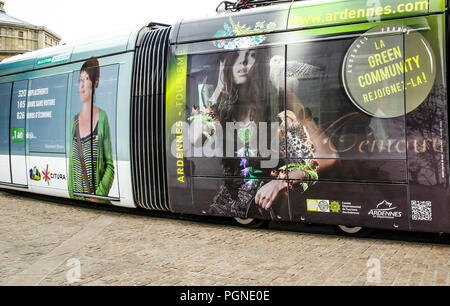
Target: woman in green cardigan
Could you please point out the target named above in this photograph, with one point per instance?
(91, 163)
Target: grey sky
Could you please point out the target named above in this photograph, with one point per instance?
(78, 19)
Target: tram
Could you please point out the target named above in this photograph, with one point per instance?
(325, 112)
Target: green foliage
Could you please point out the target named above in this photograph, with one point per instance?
(309, 169)
(208, 121)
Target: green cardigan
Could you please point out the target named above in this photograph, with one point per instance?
(105, 161)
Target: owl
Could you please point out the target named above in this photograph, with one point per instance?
(295, 71)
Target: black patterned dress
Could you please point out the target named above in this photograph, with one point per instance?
(235, 198)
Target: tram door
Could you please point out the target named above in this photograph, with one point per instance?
(5, 107)
(93, 158)
(17, 133)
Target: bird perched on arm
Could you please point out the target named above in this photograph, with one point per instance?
(298, 141)
(295, 71)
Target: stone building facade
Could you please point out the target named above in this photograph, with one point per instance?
(17, 36)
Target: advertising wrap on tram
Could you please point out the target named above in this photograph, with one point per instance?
(343, 124)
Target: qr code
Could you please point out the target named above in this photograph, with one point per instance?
(421, 210)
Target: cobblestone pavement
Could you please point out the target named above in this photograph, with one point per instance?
(39, 240)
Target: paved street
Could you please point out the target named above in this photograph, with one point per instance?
(47, 243)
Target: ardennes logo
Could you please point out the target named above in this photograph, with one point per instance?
(385, 210)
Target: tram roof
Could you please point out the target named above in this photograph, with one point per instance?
(74, 52)
(299, 15)
(277, 18)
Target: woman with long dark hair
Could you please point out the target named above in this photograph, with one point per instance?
(242, 97)
(243, 91)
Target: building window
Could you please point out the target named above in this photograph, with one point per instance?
(21, 39)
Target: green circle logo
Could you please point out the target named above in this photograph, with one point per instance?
(389, 71)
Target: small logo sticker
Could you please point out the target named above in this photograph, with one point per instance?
(318, 205)
(385, 210)
(324, 206)
(312, 205)
(335, 207)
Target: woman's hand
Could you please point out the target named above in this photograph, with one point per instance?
(268, 193)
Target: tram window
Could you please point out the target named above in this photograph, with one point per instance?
(94, 89)
(18, 117)
(237, 86)
(322, 103)
(5, 100)
(46, 114)
(105, 97)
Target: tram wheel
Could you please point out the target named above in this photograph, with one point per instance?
(250, 222)
(355, 231)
